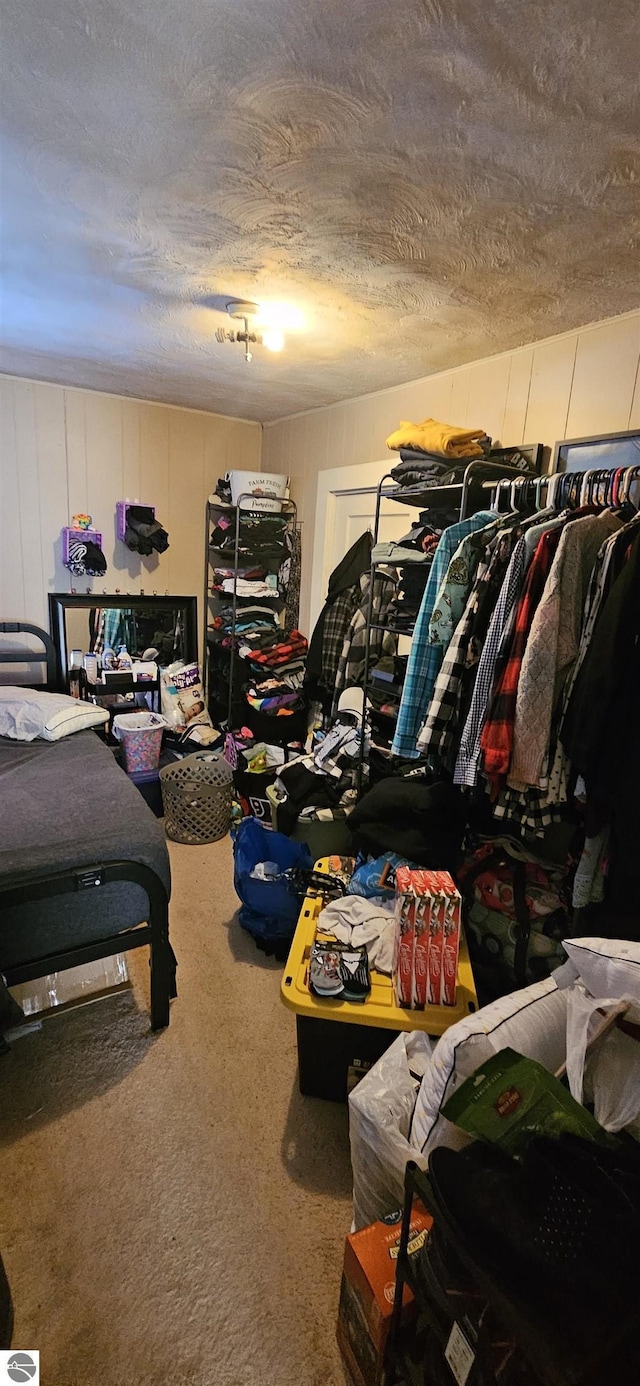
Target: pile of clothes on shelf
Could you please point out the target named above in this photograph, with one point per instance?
(258, 534)
(434, 454)
(262, 623)
(253, 581)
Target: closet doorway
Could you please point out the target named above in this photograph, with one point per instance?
(345, 509)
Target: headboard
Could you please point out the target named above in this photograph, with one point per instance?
(12, 654)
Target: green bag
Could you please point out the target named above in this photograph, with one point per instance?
(510, 1100)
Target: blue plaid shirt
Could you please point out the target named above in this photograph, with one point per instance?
(425, 659)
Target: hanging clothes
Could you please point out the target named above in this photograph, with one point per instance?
(609, 563)
(600, 730)
(468, 760)
(454, 686)
(350, 671)
(344, 595)
(497, 734)
(425, 658)
(289, 576)
(115, 628)
(553, 643)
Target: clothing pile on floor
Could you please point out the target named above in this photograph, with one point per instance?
(322, 784)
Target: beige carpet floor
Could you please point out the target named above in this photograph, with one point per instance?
(172, 1211)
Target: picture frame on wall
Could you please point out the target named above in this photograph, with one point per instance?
(604, 451)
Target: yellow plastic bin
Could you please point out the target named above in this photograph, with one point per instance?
(339, 1040)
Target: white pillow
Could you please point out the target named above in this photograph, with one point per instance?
(25, 714)
(608, 966)
(532, 1021)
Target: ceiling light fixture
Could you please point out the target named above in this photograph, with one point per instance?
(249, 314)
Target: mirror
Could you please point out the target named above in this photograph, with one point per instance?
(87, 623)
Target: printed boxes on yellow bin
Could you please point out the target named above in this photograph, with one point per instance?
(367, 1291)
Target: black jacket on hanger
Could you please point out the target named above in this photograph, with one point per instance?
(601, 731)
(343, 598)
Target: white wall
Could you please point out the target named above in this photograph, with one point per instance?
(65, 450)
(580, 383)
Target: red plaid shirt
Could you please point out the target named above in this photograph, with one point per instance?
(497, 734)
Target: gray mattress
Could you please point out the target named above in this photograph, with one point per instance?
(67, 804)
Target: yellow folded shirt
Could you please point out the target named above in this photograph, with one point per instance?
(432, 436)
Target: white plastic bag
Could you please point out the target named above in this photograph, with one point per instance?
(183, 698)
(609, 1076)
(380, 1111)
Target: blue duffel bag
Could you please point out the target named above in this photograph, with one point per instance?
(270, 908)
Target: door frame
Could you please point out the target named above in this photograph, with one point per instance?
(359, 479)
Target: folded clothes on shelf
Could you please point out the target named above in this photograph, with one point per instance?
(292, 645)
(446, 440)
(258, 533)
(245, 587)
(288, 679)
(396, 554)
(251, 572)
(419, 474)
(274, 703)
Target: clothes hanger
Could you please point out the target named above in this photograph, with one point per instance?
(632, 474)
(553, 481)
(539, 483)
(615, 485)
(585, 486)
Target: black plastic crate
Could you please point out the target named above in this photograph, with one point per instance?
(333, 1055)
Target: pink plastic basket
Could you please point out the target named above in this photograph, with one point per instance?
(141, 736)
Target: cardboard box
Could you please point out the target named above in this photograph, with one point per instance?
(405, 938)
(421, 952)
(368, 1289)
(451, 947)
(428, 912)
(436, 944)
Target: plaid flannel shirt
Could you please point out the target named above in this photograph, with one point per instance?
(425, 659)
(336, 623)
(496, 739)
(350, 669)
(438, 737)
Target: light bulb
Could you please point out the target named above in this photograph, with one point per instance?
(273, 340)
(284, 317)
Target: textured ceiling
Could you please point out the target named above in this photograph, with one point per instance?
(430, 181)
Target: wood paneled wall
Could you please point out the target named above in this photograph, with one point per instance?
(580, 383)
(65, 450)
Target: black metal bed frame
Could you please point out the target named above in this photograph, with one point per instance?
(155, 932)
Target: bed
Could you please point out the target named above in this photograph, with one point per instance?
(84, 867)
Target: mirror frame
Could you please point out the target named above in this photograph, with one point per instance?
(61, 602)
